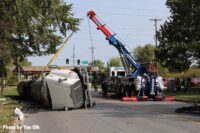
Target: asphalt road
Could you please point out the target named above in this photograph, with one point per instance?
(114, 116)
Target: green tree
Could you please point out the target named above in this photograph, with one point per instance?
(115, 62)
(5, 54)
(25, 62)
(179, 36)
(4, 59)
(97, 63)
(35, 27)
(11, 77)
(145, 54)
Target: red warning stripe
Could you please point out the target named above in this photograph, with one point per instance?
(129, 99)
(169, 98)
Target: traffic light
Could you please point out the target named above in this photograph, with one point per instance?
(78, 62)
(67, 61)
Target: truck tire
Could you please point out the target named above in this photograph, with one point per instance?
(122, 91)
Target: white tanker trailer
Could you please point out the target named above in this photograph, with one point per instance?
(59, 89)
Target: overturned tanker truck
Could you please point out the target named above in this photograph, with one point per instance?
(59, 89)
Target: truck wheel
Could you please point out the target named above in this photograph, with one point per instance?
(133, 91)
(127, 91)
(104, 93)
(122, 91)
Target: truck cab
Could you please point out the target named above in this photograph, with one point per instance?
(117, 72)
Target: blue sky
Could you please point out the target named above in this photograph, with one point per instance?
(129, 19)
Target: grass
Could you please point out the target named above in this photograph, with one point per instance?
(192, 73)
(192, 94)
(7, 107)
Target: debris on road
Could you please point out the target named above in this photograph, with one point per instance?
(190, 109)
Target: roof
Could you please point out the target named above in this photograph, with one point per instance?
(38, 69)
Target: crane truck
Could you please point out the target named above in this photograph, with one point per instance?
(141, 81)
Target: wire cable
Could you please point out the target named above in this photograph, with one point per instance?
(91, 40)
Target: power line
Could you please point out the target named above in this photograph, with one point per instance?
(127, 14)
(166, 10)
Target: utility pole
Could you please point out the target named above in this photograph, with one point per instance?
(73, 56)
(92, 52)
(156, 39)
(92, 46)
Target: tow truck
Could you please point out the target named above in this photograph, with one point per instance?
(141, 81)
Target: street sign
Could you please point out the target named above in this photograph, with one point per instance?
(85, 62)
(91, 77)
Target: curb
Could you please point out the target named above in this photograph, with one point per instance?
(186, 100)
